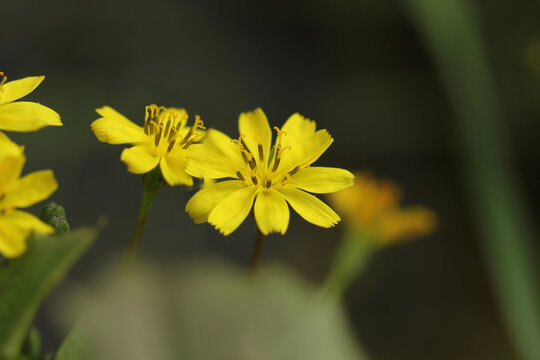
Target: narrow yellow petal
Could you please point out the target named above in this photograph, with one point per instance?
(15, 227)
(305, 152)
(139, 159)
(29, 190)
(409, 223)
(27, 116)
(322, 180)
(203, 161)
(229, 213)
(271, 212)
(205, 200)
(13, 90)
(309, 207)
(11, 162)
(114, 128)
(296, 129)
(254, 129)
(173, 168)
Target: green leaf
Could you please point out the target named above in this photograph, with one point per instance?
(74, 345)
(208, 310)
(25, 281)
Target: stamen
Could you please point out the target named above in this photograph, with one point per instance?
(240, 176)
(294, 171)
(186, 145)
(277, 159)
(171, 145)
(4, 78)
(158, 134)
(268, 183)
(254, 179)
(199, 124)
(259, 147)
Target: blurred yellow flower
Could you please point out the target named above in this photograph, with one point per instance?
(164, 140)
(17, 192)
(23, 116)
(265, 175)
(372, 207)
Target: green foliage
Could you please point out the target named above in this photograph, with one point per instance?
(208, 311)
(25, 281)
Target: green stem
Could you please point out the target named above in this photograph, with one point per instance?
(350, 259)
(152, 184)
(256, 254)
(453, 34)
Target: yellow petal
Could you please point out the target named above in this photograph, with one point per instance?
(297, 128)
(139, 159)
(305, 152)
(205, 200)
(115, 128)
(27, 116)
(11, 162)
(254, 128)
(309, 207)
(203, 161)
(231, 211)
(13, 90)
(173, 168)
(407, 224)
(29, 190)
(220, 143)
(322, 180)
(12, 239)
(15, 227)
(271, 212)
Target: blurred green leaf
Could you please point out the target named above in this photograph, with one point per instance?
(451, 30)
(74, 345)
(211, 311)
(25, 281)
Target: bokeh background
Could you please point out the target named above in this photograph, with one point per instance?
(359, 68)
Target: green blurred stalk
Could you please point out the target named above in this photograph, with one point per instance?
(451, 31)
(350, 259)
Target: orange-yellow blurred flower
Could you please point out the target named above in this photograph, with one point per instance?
(23, 116)
(372, 207)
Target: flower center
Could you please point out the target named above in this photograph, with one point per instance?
(260, 172)
(167, 126)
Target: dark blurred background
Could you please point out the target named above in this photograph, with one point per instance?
(359, 68)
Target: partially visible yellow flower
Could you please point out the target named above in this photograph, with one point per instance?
(164, 140)
(17, 192)
(268, 177)
(23, 116)
(372, 207)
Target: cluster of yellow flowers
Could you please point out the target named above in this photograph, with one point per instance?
(16, 191)
(251, 171)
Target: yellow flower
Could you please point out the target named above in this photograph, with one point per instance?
(268, 176)
(164, 140)
(23, 115)
(16, 192)
(372, 208)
